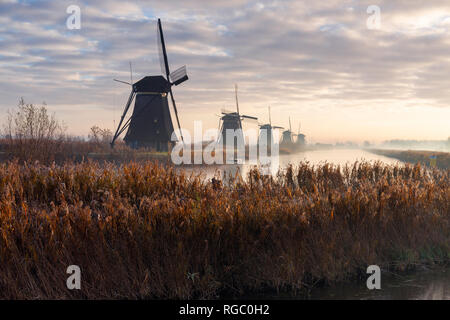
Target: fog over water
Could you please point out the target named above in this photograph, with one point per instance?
(334, 156)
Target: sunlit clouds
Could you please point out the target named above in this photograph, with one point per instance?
(316, 62)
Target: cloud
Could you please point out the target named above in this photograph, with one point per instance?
(301, 57)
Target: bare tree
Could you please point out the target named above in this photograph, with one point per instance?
(100, 136)
(32, 133)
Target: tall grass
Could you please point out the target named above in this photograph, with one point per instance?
(72, 149)
(141, 230)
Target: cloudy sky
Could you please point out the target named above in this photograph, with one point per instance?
(315, 61)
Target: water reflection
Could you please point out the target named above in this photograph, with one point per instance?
(425, 285)
(335, 156)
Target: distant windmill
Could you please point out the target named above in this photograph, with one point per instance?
(286, 140)
(150, 125)
(266, 139)
(300, 142)
(232, 121)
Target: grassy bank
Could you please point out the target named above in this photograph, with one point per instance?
(142, 231)
(413, 156)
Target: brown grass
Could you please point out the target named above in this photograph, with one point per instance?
(73, 150)
(144, 231)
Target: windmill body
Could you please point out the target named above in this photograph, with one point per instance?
(301, 139)
(232, 121)
(287, 138)
(150, 124)
(266, 134)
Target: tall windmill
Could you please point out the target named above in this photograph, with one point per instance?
(231, 120)
(150, 124)
(266, 138)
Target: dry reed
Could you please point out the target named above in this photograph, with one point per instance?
(144, 231)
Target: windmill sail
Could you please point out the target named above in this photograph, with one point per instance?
(179, 76)
(163, 61)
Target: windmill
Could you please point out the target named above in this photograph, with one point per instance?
(300, 142)
(231, 120)
(266, 139)
(150, 124)
(286, 139)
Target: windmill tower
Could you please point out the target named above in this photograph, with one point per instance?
(150, 124)
(266, 134)
(286, 140)
(300, 142)
(232, 121)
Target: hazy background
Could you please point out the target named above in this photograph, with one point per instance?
(315, 61)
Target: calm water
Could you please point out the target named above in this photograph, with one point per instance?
(423, 285)
(338, 157)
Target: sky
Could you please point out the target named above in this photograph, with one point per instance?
(329, 65)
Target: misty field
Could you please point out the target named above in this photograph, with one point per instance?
(416, 156)
(143, 231)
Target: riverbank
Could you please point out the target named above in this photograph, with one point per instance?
(442, 159)
(144, 231)
(422, 284)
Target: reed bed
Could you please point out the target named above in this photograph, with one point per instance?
(144, 231)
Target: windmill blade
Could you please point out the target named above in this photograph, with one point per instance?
(270, 118)
(236, 94)
(162, 52)
(179, 76)
(176, 114)
(123, 82)
(131, 74)
(118, 131)
(249, 117)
